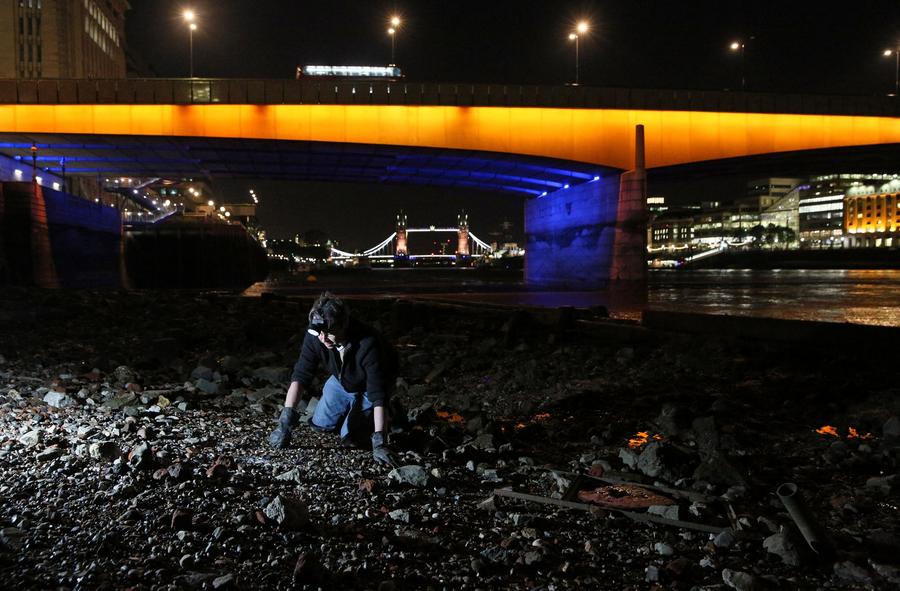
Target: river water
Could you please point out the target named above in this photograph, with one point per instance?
(857, 296)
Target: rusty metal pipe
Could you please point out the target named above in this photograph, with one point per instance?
(809, 528)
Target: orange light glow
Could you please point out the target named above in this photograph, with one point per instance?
(541, 417)
(451, 417)
(599, 136)
(828, 430)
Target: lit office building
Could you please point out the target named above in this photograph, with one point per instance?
(62, 38)
(821, 205)
(872, 221)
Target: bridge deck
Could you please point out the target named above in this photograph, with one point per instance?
(273, 92)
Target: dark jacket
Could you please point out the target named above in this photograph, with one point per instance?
(367, 365)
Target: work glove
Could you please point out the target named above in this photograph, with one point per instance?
(281, 436)
(382, 453)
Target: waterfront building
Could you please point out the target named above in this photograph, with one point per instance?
(62, 39)
(872, 220)
(671, 230)
(822, 205)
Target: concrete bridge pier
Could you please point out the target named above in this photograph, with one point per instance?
(593, 235)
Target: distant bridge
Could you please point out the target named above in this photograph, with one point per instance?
(395, 245)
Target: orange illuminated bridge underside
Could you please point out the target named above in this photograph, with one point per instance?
(598, 136)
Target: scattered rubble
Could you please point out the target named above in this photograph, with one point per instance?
(534, 454)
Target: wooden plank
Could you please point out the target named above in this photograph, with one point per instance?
(634, 516)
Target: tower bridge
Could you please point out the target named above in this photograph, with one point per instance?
(396, 246)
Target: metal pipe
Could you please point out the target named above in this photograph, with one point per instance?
(809, 528)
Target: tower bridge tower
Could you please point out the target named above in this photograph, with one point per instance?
(402, 248)
(462, 249)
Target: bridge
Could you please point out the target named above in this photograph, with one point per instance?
(565, 148)
(396, 246)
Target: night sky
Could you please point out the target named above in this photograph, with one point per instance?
(791, 46)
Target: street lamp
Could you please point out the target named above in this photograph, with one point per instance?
(392, 32)
(739, 46)
(580, 29)
(189, 17)
(896, 53)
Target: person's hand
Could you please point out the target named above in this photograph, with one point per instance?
(280, 438)
(382, 452)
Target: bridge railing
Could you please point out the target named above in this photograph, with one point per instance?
(185, 91)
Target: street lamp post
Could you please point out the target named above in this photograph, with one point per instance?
(580, 29)
(739, 46)
(392, 32)
(896, 53)
(192, 26)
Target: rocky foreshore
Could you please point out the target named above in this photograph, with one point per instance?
(538, 452)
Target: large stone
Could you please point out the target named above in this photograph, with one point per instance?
(293, 475)
(104, 450)
(891, 429)
(851, 572)
(207, 386)
(290, 513)
(783, 545)
(201, 372)
(410, 474)
(124, 374)
(58, 399)
(739, 580)
(31, 438)
(119, 401)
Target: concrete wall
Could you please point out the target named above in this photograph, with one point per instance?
(570, 234)
(50, 239)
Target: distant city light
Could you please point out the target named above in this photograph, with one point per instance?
(367, 71)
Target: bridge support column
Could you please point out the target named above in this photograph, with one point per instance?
(630, 246)
(592, 235)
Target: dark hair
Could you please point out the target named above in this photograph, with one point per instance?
(329, 313)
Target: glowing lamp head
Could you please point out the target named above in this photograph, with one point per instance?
(582, 28)
(395, 21)
(392, 31)
(572, 36)
(193, 26)
(189, 15)
(735, 46)
(888, 52)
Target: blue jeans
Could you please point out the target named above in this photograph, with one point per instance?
(353, 412)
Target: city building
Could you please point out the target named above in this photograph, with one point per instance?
(872, 221)
(822, 204)
(671, 230)
(62, 38)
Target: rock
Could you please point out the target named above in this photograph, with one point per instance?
(293, 475)
(886, 571)
(562, 482)
(231, 365)
(891, 429)
(849, 571)
(739, 580)
(651, 574)
(410, 474)
(12, 537)
(31, 438)
(290, 513)
(48, 454)
(223, 582)
(182, 519)
(307, 570)
(125, 374)
(119, 401)
(782, 544)
(58, 400)
(665, 511)
(207, 386)
(401, 515)
(140, 457)
(629, 457)
(884, 485)
(273, 375)
(483, 442)
(663, 549)
(104, 450)
(201, 372)
(724, 539)
(489, 504)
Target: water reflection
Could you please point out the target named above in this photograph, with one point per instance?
(858, 296)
